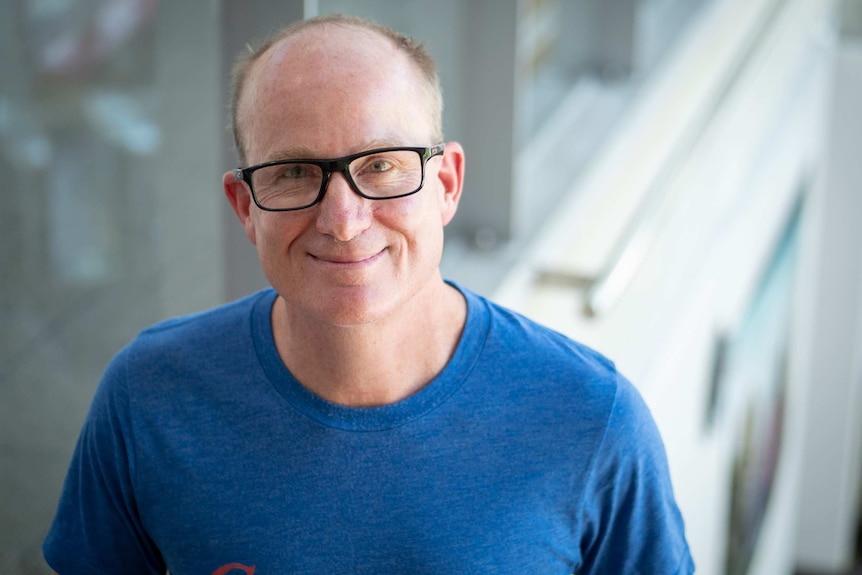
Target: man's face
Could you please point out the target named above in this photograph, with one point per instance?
(327, 93)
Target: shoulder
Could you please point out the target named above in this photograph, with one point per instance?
(180, 352)
(207, 322)
(207, 333)
(532, 369)
(545, 353)
(509, 326)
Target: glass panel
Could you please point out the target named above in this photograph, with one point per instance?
(565, 43)
(580, 65)
(660, 23)
(78, 136)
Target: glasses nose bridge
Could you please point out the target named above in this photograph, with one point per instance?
(339, 166)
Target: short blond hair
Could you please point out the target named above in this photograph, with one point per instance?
(414, 50)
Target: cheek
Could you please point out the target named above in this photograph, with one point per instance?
(276, 232)
(417, 228)
(408, 217)
(422, 208)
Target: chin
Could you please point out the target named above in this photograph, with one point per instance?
(349, 307)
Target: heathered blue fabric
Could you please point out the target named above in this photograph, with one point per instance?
(528, 454)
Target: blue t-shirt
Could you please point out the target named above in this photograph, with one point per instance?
(203, 455)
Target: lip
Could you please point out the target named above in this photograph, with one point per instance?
(346, 261)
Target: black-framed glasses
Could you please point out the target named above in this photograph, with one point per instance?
(379, 174)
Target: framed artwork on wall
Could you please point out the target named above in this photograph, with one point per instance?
(749, 396)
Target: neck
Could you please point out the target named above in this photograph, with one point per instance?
(377, 363)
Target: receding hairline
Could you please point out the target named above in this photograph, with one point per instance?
(414, 51)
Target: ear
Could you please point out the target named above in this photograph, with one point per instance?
(239, 196)
(451, 176)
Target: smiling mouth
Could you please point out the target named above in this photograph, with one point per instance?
(346, 261)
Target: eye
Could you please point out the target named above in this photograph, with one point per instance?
(295, 171)
(379, 165)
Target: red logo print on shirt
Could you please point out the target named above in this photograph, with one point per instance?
(225, 569)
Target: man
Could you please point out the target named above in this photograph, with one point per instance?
(364, 416)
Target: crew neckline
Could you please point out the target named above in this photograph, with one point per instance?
(380, 418)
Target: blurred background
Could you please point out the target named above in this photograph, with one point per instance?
(674, 182)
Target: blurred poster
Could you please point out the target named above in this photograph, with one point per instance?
(751, 390)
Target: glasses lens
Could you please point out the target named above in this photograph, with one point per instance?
(387, 174)
(286, 186)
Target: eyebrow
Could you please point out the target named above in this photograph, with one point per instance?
(289, 154)
(305, 153)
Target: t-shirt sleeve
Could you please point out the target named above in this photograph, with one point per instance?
(97, 528)
(632, 523)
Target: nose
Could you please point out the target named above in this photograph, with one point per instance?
(342, 213)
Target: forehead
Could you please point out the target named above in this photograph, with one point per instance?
(335, 48)
(331, 87)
